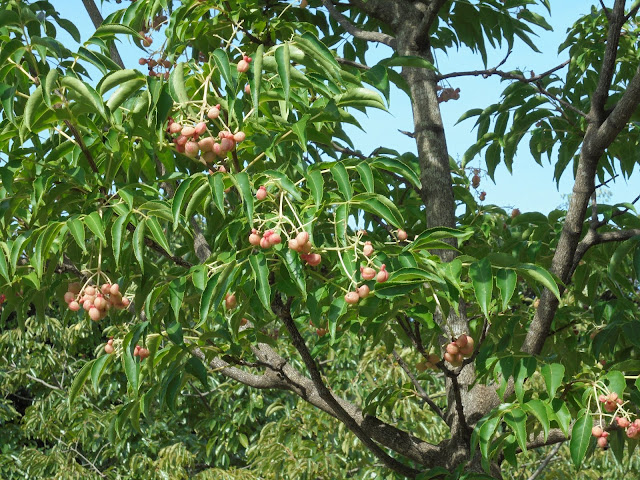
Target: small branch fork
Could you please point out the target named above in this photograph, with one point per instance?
(419, 390)
(351, 29)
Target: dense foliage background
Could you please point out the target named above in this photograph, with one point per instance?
(97, 188)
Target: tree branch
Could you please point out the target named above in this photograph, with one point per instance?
(283, 312)
(419, 390)
(351, 29)
(545, 462)
(96, 18)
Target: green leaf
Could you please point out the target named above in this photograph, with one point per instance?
(109, 29)
(49, 84)
(506, 280)
(158, 233)
(553, 374)
(580, 438)
(482, 280)
(517, 420)
(216, 185)
(213, 292)
(283, 60)
(118, 77)
(123, 92)
(241, 181)
(285, 183)
(408, 61)
(33, 105)
(43, 246)
(138, 243)
(94, 222)
(98, 368)
(131, 365)
(80, 380)
(360, 97)
(539, 275)
(85, 92)
(620, 253)
(341, 177)
(399, 167)
(178, 198)
(116, 235)
(636, 262)
(292, 261)
(261, 274)
(195, 367)
(300, 129)
(366, 176)
(255, 80)
(315, 182)
(177, 89)
(196, 199)
(539, 410)
(174, 332)
(176, 294)
(77, 231)
(222, 62)
(4, 270)
(379, 205)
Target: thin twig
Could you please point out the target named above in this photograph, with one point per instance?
(419, 390)
(545, 462)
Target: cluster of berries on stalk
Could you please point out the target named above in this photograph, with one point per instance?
(155, 65)
(141, 352)
(96, 301)
(459, 349)
(612, 403)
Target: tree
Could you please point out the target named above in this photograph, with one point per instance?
(221, 229)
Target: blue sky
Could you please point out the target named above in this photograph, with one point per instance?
(530, 187)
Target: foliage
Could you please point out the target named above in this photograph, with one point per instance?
(98, 188)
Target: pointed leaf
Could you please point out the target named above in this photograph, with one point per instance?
(261, 274)
(580, 438)
(506, 280)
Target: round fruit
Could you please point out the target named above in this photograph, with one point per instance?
(243, 66)
(433, 358)
(321, 332)
(74, 306)
(467, 350)
(367, 273)
(596, 431)
(261, 194)
(90, 291)
(200, 128)
(602, 442)
(94, 314)
(74, 287)
(213, 113)
(264, 243)
(302, 238)
(351, 298)
(247, 89)
(449, 358)
(367, 250)
(108, 348)
(275, 239)
(453, 349)
(187, 131)
(461, 340)
(363, 291)
(226, 144)
(68, 297)
(254, 239)
(239, 137)
(383, 275)
(293, 244)
(314, 260)
(191, 149)
(402, 235)
(230, 301)
(623, 422)
(143, 353)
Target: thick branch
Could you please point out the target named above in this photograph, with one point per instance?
(357, 32)
(599, 97)
(593, 238)
(283, 311)
(279, 374)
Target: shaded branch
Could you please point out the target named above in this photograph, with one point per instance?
(545, 462)
(355, 31)
(283, 312)
(593, 238)
(85, 151)
(419, 390)
(157, 248)
(351, 63)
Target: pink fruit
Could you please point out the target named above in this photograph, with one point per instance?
(254, 239)
(239, 136)
(213, 113)
(125, 302)
(181, 140)
(90, 290)
(230, 301)
(383, 275)
(108, 348)
(402, 235)
(596, 431)
(367, 250)
(87, 305)
(68, 297)
(247, 89)
(243, 66)
(363, 291)
(209, 158)
(191, 149)
(188, 131)
(352, 298)
(467, 350)
(143, 353)
(200, 128)
(115, 289)
(74, 287)
(461, 341)
(622, 422)
(302, 238)
(293, 244)
(217, 150)
(313, 259)
(602, 442)
(106, 288)
(367, 273)
(261, 194)
(74, 306)
(206, 144)
(94, 314)
(275, 239)
(226, 144)
(264, 243)
(453, 349)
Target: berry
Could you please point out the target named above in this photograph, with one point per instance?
(293, 244)
(264, 243)
(243, 66)
(191, 149)
(302, 238)
(321, 332)
(602, 442)
(383, 275)
(213, 113)
(143, 353)
(433, 358)
(622, 422)
(94, 313)
(200, 128)
(367, 250)
(367, 273)
(515, 212)
(105, 289)
(180, 140)
(74, 287)
(90, 291)
(74, 306)
(313, 259)
(108, 348)
(206, 145)
(467, 350)
(482, 196)
(230, 301)
(239, 137)
(597, 431)
(243, 322)
(247, 89)
(226, 144)
(261, 194)
(351, 298)
(274, 239)
(402, 235)
(188, 131)
(254, 238)
(453, 349)
(363, 291)
(68, 297)
(475, 181)
(461, 341)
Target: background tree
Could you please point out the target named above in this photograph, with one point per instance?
(222, 231)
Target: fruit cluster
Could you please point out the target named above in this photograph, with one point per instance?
(187, 139)
(155, 64)
(601, 435)
(447, 94)
(610, 401)
(97, 302)
(141, 352)
(243, 65)
(458, 350)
